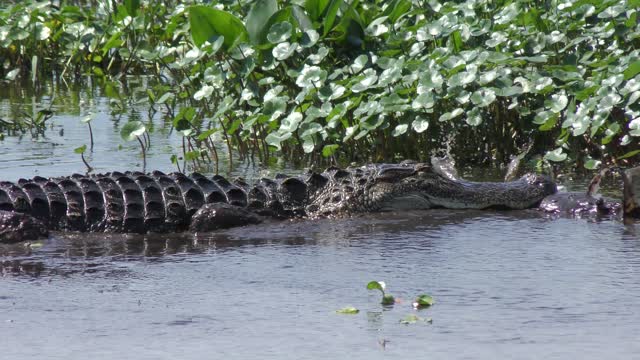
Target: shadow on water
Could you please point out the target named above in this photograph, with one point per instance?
(64, 254)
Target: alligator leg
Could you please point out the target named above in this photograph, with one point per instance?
(16, 227)
(221, 216)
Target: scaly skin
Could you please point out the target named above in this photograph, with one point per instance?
(155, 202)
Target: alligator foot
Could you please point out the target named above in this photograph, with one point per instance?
(16, 227)
(221, 216)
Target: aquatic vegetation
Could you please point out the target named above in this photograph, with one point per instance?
(135, 130)
(338, 80)
(413, 318)
(423, 301)
(387, 299)
(349, 310)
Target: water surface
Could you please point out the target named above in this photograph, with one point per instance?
(507, 285)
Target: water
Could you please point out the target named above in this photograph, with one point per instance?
(506, 284)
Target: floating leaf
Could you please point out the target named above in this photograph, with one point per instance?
(388, 300)
(412, 319)
(349, 310)
(423, 301)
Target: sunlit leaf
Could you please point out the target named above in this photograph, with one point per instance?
(131, 130)
(376, 285)
(80, 150)
(329, 150)
(556, 155)
(420, 125)
(279, 32)
(284, 50)
(400, 130)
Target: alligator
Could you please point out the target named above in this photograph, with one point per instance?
(136, 202)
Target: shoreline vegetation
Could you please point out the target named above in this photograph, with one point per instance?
(336, 81)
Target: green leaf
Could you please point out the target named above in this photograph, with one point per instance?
(397, 9)
(80, 150)
(274, 139)
(629, 154)
(284, 50)
(388, 300)
(207, 23)
(451, 115)
(315, 8)
(349, 310)
(420, 125)
(423, 300)
(330, 18)
(329, 150)
(11, 75)
(376, 285)
(400, 130)
(592, 164)
(131, 130)
(308, 145)
(632, 70)
(258, 17)
(556, 155)
(279, 32)
(132, 7)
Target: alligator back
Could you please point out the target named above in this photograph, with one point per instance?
(138, 202)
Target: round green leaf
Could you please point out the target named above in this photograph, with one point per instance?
(279, 32)
(284, 50)
(420, 125)
(376, 285)
(556, 155)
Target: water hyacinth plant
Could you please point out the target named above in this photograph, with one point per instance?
(355, 80)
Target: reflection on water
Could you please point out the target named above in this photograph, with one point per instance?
(506, 284)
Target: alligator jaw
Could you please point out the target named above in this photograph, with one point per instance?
(410, 201)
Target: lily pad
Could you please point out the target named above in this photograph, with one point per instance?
(349, 310)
